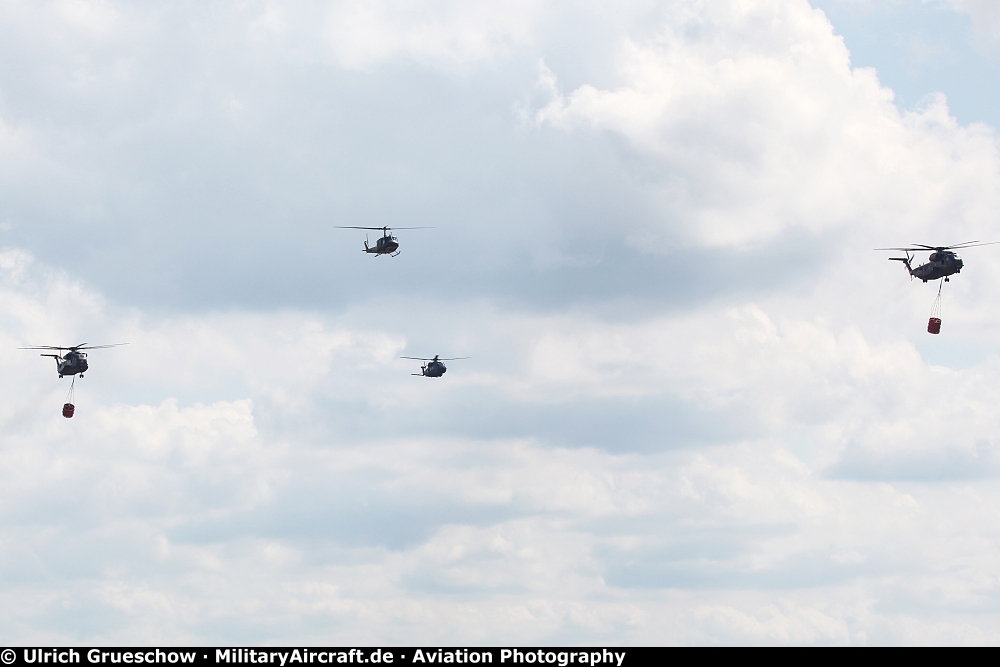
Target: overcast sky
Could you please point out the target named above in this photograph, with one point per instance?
(699, 409)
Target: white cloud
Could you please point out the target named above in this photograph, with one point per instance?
(754, 116)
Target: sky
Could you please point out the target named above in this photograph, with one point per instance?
(698, 407)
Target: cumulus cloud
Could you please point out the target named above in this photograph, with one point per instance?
(698, 409)
(762, 125)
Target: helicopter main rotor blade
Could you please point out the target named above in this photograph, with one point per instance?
(933, 247)
(957, 246)
(925, 248)
(945, 247)
(81, 346)
(437, 358)
(380, 229)
(970, 244)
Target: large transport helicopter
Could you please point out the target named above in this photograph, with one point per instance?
(388, 244)
(943, 260)
(74, 361)
(434, 368)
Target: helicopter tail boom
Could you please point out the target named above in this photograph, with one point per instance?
(906, 262)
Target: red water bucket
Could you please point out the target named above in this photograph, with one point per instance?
(68, 410)
(934, 325)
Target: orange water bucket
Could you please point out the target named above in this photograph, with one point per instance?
(68, 410)
(934, 325)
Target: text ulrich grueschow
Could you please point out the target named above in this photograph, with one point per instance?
(97, 656)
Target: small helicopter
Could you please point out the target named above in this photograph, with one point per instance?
(943, 260)
(74, 361)
(434, 368)
(388, 244)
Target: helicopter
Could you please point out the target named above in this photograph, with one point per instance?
(943, 260)
(74, 361)
(388, 244)
(435, 367)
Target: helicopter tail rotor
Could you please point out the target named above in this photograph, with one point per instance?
(906, 262)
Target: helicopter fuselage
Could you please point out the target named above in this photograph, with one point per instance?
(434, 369)
(387, 245)
(940, 264)
(71, 364)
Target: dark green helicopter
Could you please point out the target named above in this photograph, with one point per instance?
(74, 361)
(388, 244)
(434, 368)
(943, 260)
